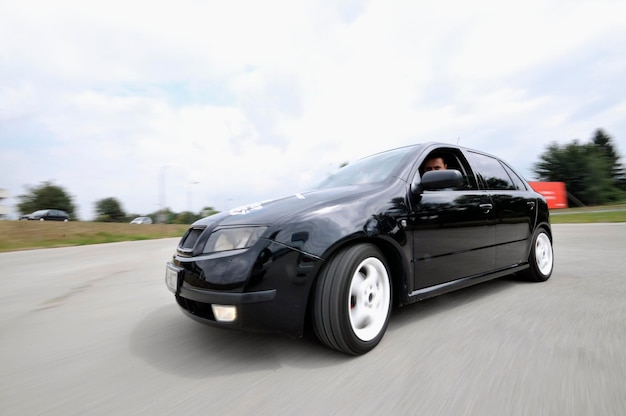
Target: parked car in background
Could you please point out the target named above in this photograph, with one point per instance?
(142, 220)
(47, 215)
(384, 231)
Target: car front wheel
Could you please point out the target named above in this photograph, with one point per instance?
(352, 301)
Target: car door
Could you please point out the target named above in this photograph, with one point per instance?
(514, 208)
(452, 230)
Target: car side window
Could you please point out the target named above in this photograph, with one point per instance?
(519, 183)
(493, 174)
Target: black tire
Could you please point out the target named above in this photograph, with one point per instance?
(352, 300)
(540, 258)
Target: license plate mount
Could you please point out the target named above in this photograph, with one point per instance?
(172, 274)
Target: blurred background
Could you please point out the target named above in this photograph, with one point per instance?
(129, 108)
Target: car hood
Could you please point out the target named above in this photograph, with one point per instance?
(300, 206)
(312, 221)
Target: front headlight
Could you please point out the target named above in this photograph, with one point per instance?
(232, 238)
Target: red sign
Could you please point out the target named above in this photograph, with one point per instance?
(554, 192)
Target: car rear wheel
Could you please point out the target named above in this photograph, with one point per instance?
(352, 301)
(541, 258)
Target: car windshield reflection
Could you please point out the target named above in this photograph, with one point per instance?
(372, 169)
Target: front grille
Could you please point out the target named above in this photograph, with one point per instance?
(200, 309)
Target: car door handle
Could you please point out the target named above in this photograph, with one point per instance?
(531, 204)
(486, 207)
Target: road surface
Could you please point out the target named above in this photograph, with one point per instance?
(93, 330)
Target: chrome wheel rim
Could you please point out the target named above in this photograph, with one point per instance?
(369, 299)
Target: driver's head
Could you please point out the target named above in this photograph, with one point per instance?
(435, 163)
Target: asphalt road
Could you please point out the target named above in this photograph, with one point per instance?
(93, 331)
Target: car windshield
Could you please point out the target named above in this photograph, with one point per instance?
(371, 169)
(40, 212)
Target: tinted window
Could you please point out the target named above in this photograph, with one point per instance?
(492, 172)
(519, 183)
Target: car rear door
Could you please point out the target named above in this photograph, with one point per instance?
(514, 208)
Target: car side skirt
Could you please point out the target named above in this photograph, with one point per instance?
(440, 289)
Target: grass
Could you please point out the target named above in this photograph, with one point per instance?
(23, 235)
(605, 213)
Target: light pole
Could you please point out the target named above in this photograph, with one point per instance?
(162, 217)
(190, 196)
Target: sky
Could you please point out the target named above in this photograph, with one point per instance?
(195, 103)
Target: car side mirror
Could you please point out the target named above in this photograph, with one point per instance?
(440, 179)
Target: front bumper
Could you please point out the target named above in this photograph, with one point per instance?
(176, 284)
(258, 311)
(221, 298)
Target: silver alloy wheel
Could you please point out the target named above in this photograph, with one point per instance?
(370, 295)
(543, 254)
(353, 299)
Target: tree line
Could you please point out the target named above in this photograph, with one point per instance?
(592, 173)
(50, 196)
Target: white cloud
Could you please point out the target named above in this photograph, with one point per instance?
(257, 99)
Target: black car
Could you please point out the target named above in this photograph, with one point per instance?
(47, 215)
(379, 233)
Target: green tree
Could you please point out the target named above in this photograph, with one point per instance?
(589, 170)
(45, 196)
(208, 211)
(166, 216)
(604, 145)
(110, 210)
(186, 217)
(597, 186)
